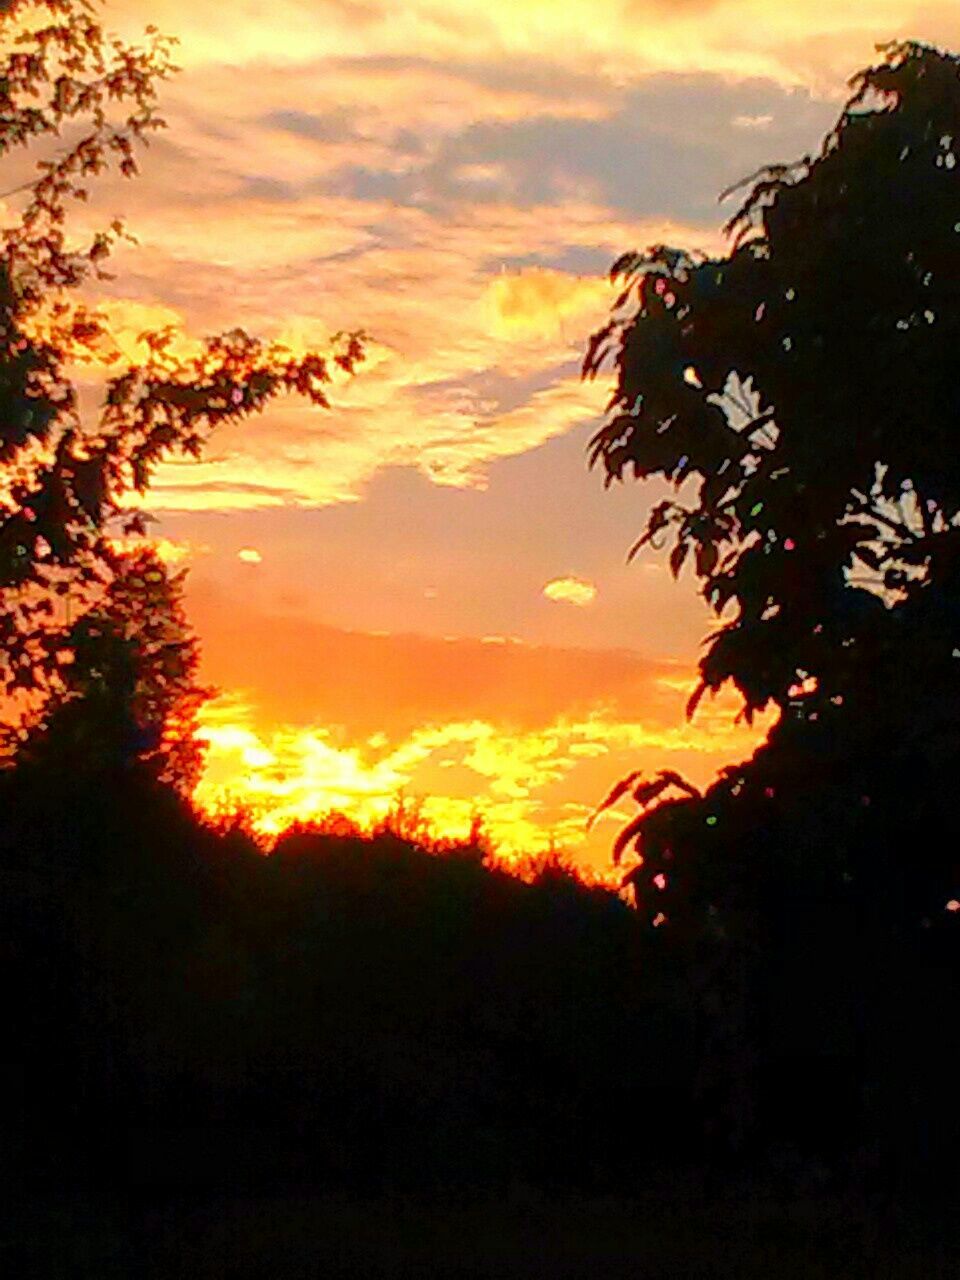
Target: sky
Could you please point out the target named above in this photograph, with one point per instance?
(424, 590)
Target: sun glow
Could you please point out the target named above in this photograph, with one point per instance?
(532, 789)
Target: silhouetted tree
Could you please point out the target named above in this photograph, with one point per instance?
(62, 480)
(800, 391)
(185, 1011)
(129, 693)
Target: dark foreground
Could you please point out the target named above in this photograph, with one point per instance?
(349, 1058)
(523, 1234)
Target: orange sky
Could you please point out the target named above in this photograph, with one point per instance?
(424, 588)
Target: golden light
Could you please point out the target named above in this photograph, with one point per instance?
(532, 788)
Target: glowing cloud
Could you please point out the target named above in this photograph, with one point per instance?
(752, 122)
(571, 591)
(249, 555)
(406, 192)
(616, 37)
(534, 788)
(539, 302)
(173, 552)
(177, 553)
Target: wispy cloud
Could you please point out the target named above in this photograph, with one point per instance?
(176, 553)
(452, 181)
(615, 37)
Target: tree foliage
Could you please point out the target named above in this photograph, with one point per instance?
(127, 692)
(799, 394)
(65, 482)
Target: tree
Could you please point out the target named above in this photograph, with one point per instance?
(127, 692)
(63, 480)
(800, 390)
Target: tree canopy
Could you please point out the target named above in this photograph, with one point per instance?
(127, 692)
(799, 392)
(66, 482)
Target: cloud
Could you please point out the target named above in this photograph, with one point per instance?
(357, 683)
(418, 386)
(666, 144)
(616, 37)
(249, 555)
(460, 255)
(389, 176)
(462, 459)
(177, 553)
(317, 718)
(533, 788)
(172, 552)
(537, 301)
(334, 126)
(541, 510)
(570, 591)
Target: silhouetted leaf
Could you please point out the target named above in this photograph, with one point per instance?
(616, 792)
(627, 836)
(677, 557)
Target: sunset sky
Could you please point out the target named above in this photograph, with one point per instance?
(424, 588)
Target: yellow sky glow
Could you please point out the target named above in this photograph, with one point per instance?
(519, 782)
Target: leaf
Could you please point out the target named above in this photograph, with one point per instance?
(677, 556)
(694, 700)
(869, 557)
(706, 558)
(629, 833)
(648, 791)
(136, 525)
(596, 350)
(677, 780)
(619, 789)
(626, 264)
(89, 484)
(659, 518)
(632, 878)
